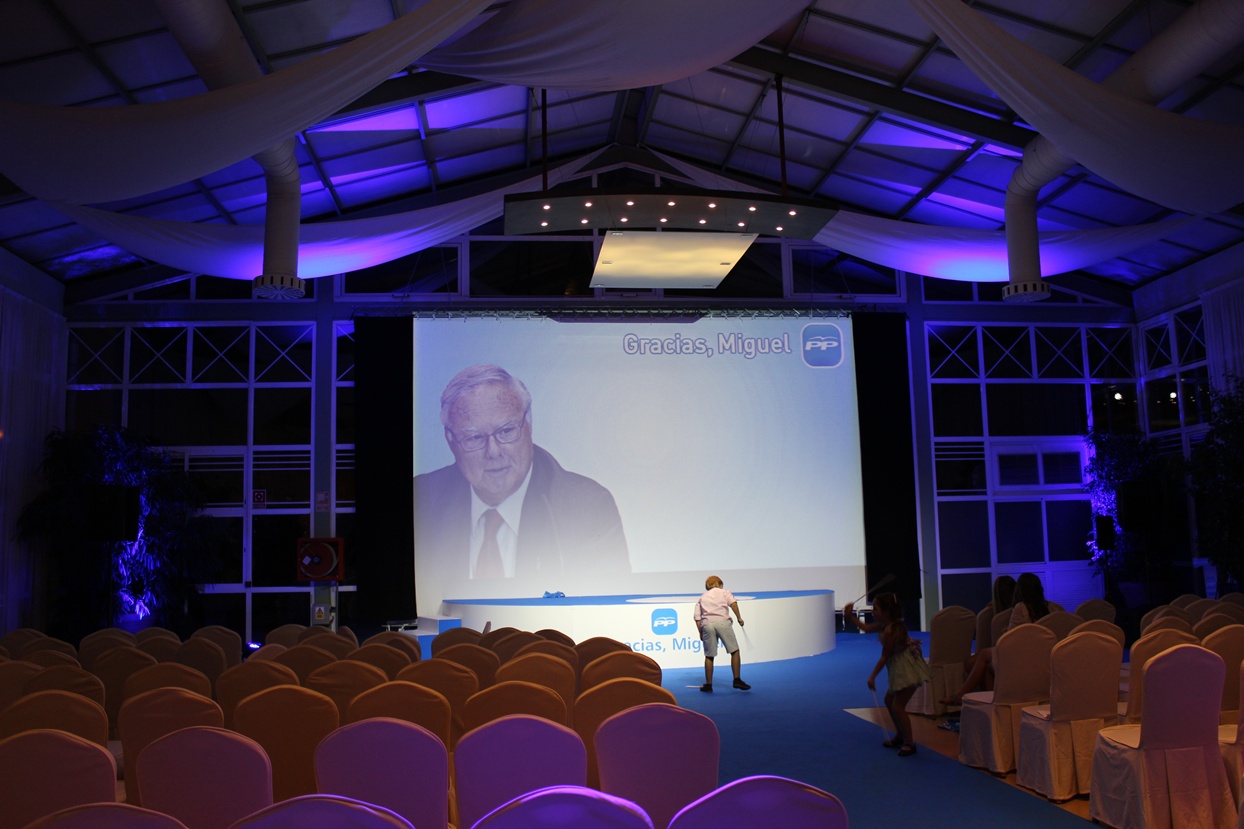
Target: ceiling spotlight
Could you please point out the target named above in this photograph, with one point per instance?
(663, 220)
(544, 224)
(752, 209)
(548, 207)
(630, 204)
(583, 221)
(587, 204)
(712, 204)
(624, 219)
(780, 228)
(792, 213)
(703, 221)
(671, 204)
(742, 224)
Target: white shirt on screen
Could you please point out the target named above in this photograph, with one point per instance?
(511, 510)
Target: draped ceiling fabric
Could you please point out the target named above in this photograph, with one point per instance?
(603, 47)
(87, 155)
(1173, 160)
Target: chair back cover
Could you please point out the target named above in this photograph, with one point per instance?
(510, 756)
(152, 714)
(344, 680)
(406, 643)
(575, 806)
(405, 701)
(63, 710)
(15, 640)
(155, 632)
(635, 763)
(1022, 664)
(204, 655)
(951, 631)
(1210, 623)
(598, 704)
(286, 635)
(764, 800)
(1084, 677)
(1184, 599)
(50, 657)
(1096, 609)
(1177, 612)
(43, 771)
(304, 659)
(491, 636)
(230, 642)
(288, 721)
(619, 664)
(454, 636)
(113, 668)
(1061, 622)
(67, 678)
(266, 652)
(107, 816)
(391, 763)
(596, 647)
(336, 644)
(208, 778)
(456, 682)
(554, 635)
(160, 647)
(479, 659)
(47, 643)
(100, 642)
(561, 650)
(506, 647)
(108, 633)
(552, 672)
(513, 697)
(999, 625)
(1168, 623)
(1200, 609)
(1183, 688)
(323, 811)
(984, 629)
(1102, 626)
(1231, 609)
(385, 657)
(14, 675)
(166, 675)
(1144, 649)
(1228, 643)
(253, 675)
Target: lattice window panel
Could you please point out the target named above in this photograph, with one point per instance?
(221, 354)
(96, 356)
(1109, 353)
(345, 351)
(1007, 351)
(159, 355)
(1157, 348)
(1190, 336)
(283, 353)
(1060, 352)
(953, 351)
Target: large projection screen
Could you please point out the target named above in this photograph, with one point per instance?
(729, 446)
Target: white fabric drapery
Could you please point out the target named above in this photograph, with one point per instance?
(1176, 161)
(88, 155)
(569, 44)
(1223, 309)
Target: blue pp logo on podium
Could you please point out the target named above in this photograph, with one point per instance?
(821, 345)
(665, 621)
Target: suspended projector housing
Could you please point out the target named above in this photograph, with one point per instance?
(665, 240)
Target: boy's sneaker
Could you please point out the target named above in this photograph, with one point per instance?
(707, 687)
(741, 685)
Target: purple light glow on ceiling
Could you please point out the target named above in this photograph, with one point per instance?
(405, 119)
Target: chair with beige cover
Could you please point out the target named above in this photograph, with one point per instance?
(204, 655)
(51, 657)
(635, 763)
(16, 639)
(1231, 609)
(1233, 597)
(456, 682)
(513, 697)
(1102, 626)
(67, 678)
(378, 760)
(1160, 610)
(44, 770)
(479, 659)
(288, 721)
(543, 669)
(1212, 622)
(336, 644)
(152, 714)
(47, 643)
(161, 647)
(1144, 649)
(344, 680)
(1231, 736)
(511, 756)
(323, 811)
(1200, 609)
(95, 644)
(229, 640)
(596, 647)
(554, 635)
(1096, 609)
(14, 675)
(619, 664)
(984, 628)
(1060, 622)
(396, 639)
(389, 659)
(208, 778)
(999, 625)
(1177, 612)
(1228, 643)
(490, 636)
(1168, 770)
(951, 631)
(266, 652)
(507, 647)
(348, 632)
(1168, 623)
(107, 816)
(1056, 740)
(304, 659)
(1184, 599)
(63, 710)
(575, 806)
(598, 704)
(166, 675)
(286, 635)
(764, 800)
(113, 668)
(313, 631)
(252, 676)
(562, 651)
(989, 721)
(406, 701)
(454, 636)
(155, 632)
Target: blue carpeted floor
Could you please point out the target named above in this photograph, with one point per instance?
(793, 723)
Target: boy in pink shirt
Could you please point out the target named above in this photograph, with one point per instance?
(712, 617)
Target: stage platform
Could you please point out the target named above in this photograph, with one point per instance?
(779, 624)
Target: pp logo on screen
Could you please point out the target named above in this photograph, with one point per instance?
(664, 621)
(822, 345)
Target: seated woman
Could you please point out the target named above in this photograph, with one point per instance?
(1030, 605)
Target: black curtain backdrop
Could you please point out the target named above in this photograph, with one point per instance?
(884, 393)
(384, 450)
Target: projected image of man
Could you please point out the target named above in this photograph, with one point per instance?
(506, 509)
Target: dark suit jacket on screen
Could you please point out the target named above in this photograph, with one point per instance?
(570, 531)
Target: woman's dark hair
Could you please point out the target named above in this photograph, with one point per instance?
(1028, 589)
(1003, 594)
(889, 603)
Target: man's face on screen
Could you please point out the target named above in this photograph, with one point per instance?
(496, 468)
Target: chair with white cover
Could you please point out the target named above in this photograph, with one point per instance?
(145, 718)
(999, 626)
(1201, 608)
(385, 657)
(288, 721)
(1061, 622)
(228, 639)
(456, 682)
(514, 697)
(989, 721)
(391, 763)
(598, 704)
(503, 759)
(107, 816)
(63, 710)
(1210, 623)
(286, 635)
(543, 669)
(984, 628)
(266, 652)
(1144, 649)
(1102, 626)
(1167, 771)
(558, 806)
(764, 800)
(45, 770)
(1096, 609)
(478, 658)
(1056, 740)
(343, 680)
(406, 701)
(1228, 642)
(166, 675)
(951, 631)
(323, 811)
(14, 675)
(67, 678)
(253, 675)
(635, 763)
(1231, 737)
(1184, 599)
(208, 778)
(113, 668)
(453, 636)
(304, 659)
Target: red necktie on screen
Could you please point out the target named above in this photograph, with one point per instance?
(488, 563)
